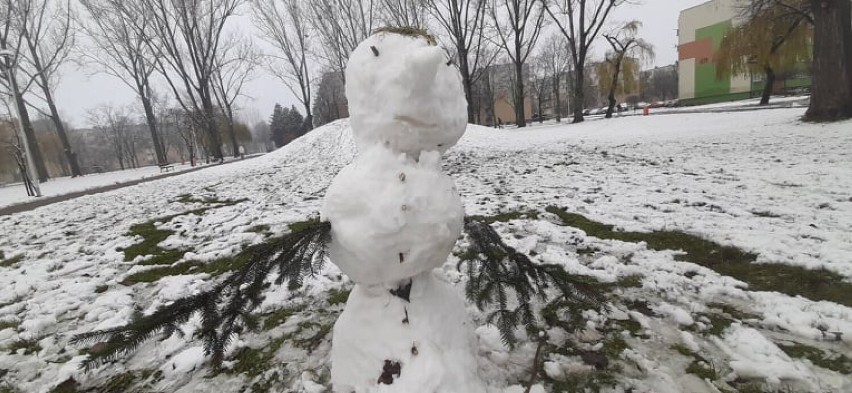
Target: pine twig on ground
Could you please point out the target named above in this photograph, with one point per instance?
(225, 308)
(499, 274)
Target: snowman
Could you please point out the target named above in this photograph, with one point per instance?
(395, 218)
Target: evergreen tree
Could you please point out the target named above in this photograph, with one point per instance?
(294, 124)
(278, 125)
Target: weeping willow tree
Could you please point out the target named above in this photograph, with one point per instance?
(619, 72)
(772, 40)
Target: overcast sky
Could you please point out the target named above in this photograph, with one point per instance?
(78, 91)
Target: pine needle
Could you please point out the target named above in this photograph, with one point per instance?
(226, 308)
(503, 278)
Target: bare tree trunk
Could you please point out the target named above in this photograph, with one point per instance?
(467, 81)
(612, 87)
(767, 88)
(29, 133)
(520, 115)
(63, 136)
(214, 137)
(558, 110)
(579, 96)
(33, 44)
(151, 120)
(233, 134)
(831, 90)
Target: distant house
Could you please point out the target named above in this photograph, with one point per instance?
(700, 32)
(496, 100)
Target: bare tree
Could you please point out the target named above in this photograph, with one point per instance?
(45, 27)
(342, 25)
(624, 44)
(188, 35)
(284, 27)
(11, 43)
(405, 13)
(556, 61)
(539, 85)
(114, 126)
(518, 24)
(580, 22)
(234, 67)
(120, 49)
(464, 23)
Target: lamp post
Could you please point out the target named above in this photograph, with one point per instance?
(7, 55)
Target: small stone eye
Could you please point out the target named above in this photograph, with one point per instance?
(375, 51)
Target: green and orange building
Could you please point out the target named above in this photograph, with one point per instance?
(700, 33)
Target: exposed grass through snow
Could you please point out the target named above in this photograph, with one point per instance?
(814, 284)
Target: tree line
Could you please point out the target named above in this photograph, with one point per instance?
(191, 53)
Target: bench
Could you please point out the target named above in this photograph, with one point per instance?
(167, 168)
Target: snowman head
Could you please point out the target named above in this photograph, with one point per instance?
(404, 94)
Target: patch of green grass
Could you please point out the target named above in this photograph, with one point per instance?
(164, 257)
(155, 274)
(266, 384)
(631, 281)
(311, 342)
(765, 213)
(814, 284)
(278, 318)
(262, 228)
(120, 383)
(8, 325)
(699, 366)
(831, 361)
(718, 323)
(207, 200)
(29, 347)
(8, 389)
(11, 302)
(101, 288)
(613, 346)
(594, 382)
(11, 261)
(256, 361)
(733, 311)
(507, 216)
(702, 370)
(215, 267)
(338, 296)
(586, 250)
(722, 316)
(67, 386)
(683, 350)
(222, 265)
(635, 328)
(151, 237)
(252, 361)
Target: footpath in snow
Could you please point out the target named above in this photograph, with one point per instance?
(776, 190)
(15, 193)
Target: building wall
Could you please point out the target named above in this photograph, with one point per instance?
(700, 33)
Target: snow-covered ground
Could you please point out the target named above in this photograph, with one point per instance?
(760, 181)
(15, 193)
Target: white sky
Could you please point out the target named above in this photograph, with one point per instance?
(78, 91)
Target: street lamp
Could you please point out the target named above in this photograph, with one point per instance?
(8, 56)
